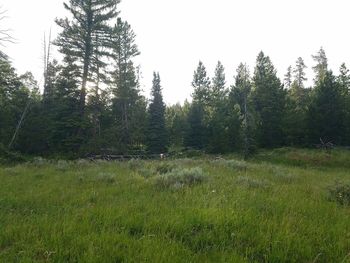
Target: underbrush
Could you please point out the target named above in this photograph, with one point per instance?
(179, 178)
(340, 193)
(336, 158)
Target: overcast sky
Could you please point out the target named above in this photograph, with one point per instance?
(174, 35)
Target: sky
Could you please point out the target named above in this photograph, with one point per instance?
(173, 36)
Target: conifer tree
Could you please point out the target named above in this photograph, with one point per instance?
(321, 66)
(344, 83)
(78, 36)
(201, 85)
(218, 113)
(288, 78)
(218, 90)
(241, 97)
(197, 117)
(297, 103)
(125, 86)
(299, 73)
(269, 100)
(157, 134)
(326, 115)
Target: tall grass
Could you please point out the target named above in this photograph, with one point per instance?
(271, 209)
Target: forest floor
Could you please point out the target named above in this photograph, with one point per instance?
(285, 205)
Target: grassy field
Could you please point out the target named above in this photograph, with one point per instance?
(277, 207)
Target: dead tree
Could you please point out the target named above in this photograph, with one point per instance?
(324, 145)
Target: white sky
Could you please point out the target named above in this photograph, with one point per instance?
(174, 35)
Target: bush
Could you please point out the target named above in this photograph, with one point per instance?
(233, 164)
(283, 175)
(108, 178)
(39, 162)
(9, 157)
(82, 163)
(180, 178)
(340, 193)
(62, 166)
(164, 168)
(145, 172)
(134, 164)
(252, 183)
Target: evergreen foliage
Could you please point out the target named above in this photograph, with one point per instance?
(157, 134)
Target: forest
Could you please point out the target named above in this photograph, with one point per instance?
(91, 101)
(251, 168)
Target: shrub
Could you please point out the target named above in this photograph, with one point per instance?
(252, 183)
(145, 172)
(283, 175)
(9, 157)
(108, 178)
(340, 193)
(232, 164)
(83, 163)
(164, 168)
(39, 162)
(11, 171)
(134, 164)
(180, 178)
(62, 166)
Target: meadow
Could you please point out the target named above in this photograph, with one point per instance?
(284, 205)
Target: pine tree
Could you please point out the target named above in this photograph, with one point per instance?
(218, 90)
(269, 100)
(344, 83)
(325, 115)
(297, 103)
(201, 85)
(321, 67)
(299, 73)
(124, 80)
(288, 78)
(157, 134)
(176, 123)
(65, 115)
(198, 116)
(241, 97)
(78, 38)
(195, 135)
(218, 113)
(14, 97)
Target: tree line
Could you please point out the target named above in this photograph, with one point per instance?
(92, 101)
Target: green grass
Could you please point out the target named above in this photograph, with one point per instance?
(274, 208)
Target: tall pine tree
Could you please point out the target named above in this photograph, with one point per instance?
(269, 101)
(157, 134)
(78, 38)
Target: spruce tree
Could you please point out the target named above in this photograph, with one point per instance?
(218, 113)
(157, 134)
(176, 123)
(269, 101)
(198, 116)
(326, 115)
(344, 83)
(297, 103)
(288, 78)
(241, 97)
(195, 135)
(124, 80)
(201, 85)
